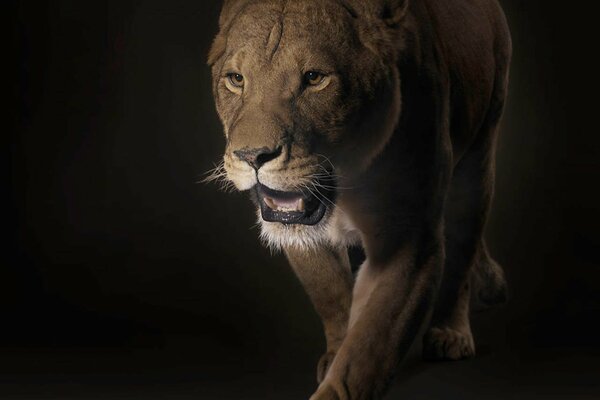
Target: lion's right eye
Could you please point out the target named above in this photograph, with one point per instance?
(237, 80)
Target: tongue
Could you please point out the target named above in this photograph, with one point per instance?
(292, 204)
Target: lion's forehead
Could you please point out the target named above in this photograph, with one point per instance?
(299, 23)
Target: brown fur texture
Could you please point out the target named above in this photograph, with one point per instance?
(404, 126)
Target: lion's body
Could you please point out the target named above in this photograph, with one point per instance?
(405, 125)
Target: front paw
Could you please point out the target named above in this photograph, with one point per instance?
(323, 365)
(326, 392)
(448, 344)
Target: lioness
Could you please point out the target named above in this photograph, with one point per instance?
(370, 123)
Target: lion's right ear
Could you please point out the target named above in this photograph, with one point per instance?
(217, 49)
(230, 10)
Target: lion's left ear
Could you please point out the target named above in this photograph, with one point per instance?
(391, 12)
(380, 24)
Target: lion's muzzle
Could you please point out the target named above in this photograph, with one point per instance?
(289, 194)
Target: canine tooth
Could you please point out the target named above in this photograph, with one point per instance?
(270, 203)
(300, 205)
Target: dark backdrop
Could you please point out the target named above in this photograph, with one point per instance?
(121, 277)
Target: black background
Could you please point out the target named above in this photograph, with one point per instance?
(121, 277)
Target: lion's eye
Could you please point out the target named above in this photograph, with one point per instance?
(313, 78)
(236, 80)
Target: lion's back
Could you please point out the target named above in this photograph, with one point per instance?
(475, 43)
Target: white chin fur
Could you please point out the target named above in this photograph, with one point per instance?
(335, 229)
(278, 236)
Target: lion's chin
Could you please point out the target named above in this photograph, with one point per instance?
(335, 229)
(279, 236)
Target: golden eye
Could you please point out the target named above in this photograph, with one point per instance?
(236, 80)
(313, 78)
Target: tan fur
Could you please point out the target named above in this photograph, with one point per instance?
(404, 126)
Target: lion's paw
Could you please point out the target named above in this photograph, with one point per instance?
(325, 393)
(448, 344)
(323, 365)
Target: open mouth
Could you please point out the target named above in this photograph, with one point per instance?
(291, 207)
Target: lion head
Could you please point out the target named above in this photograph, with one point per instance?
(308, 93)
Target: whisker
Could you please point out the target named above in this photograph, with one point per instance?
(323, 196)
(319, 178)
(313, 194)
(320, 196)
(326, 159)
(219, 176)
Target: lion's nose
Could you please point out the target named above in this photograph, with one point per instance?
(257, 157)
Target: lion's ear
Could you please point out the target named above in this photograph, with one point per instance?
(391, 12)
(230, 9)
(381, 24)
(217, 49)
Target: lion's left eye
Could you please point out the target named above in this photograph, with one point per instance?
(313, 78)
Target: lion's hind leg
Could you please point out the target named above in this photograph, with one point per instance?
(449, 336)
(488, 283)
(469, 271)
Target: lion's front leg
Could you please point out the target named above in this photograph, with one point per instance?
(326, 276)
(391, 301)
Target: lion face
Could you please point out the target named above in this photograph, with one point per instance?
(307, 100)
